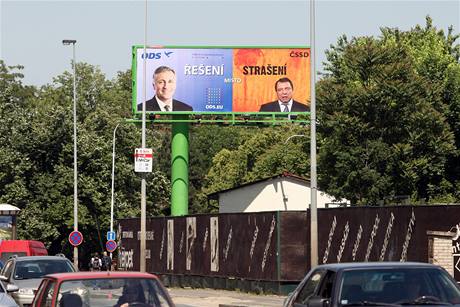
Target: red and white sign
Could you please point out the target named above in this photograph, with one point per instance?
(143, 160)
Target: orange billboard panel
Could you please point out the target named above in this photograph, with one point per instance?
(256, 72)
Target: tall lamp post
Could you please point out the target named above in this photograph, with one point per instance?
(143, 243)
(313, 174)
(113, 178)
(75, 173)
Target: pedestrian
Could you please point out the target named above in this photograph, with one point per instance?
(96, 263)
(106, 262)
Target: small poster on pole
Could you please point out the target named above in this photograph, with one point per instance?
(143, 160)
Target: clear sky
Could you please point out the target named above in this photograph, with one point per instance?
(32, 31)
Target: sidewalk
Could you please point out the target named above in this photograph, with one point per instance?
(188, 297)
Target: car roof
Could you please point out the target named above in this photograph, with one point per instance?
(28, 258)
(100, 275)
(374, 265)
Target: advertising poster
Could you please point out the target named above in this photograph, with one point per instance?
(6, 227)
(224, 80)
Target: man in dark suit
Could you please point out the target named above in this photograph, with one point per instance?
(164, 84)
(284, 89)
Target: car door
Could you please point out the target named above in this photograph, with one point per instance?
(45, 294)
(7, 271)
(316, 290)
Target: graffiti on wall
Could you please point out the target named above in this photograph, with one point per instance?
(329, 240)
(268, 243)
(214, 226)
(126, 259)
(170, 246)
(253, 244)
(357, 241)
(387, 237)
(456, 250)
(410, 229)
(247, 245)
(191, 236)
(346, 231)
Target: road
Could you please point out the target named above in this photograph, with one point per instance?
(187, 297)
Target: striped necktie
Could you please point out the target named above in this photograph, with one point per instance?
(286, 107)
(166, 108)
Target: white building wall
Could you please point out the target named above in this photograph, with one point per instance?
(278, 194)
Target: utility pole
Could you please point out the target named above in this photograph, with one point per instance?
(313, 175)
(75, 169)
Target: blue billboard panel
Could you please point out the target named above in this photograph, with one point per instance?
(199, 75)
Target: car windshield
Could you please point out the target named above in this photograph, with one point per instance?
(29, 269)
(113, 292)
(418, 286)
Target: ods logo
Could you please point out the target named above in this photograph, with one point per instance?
(152, 56)
(155, 55)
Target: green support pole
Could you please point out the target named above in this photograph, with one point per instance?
(179, 169)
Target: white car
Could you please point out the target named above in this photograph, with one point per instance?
(22, 275)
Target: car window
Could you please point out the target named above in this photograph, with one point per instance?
(160, 293)
(310, 287)
(47, 297)
(398, 286)
(326, 286)
(30, 269)
(112, 292)
(7, 269)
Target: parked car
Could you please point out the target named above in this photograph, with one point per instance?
(5, 299)
(113, 288)
(9, 248)
(26, 273)
(375, 284)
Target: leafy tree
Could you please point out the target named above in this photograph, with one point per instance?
(37, 157)
(262, 154)
(15, 167)
(384, 125)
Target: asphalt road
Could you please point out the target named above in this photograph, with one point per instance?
(187, 297)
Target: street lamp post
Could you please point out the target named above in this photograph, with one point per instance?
(113, 178)
(313, 174)
(143, 243)
(75, 173)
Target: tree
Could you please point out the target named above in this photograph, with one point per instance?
(384, 128)
(262, 154)
(37, 157)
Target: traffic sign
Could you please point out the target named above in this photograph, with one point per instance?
(143, 160)
(111, 246)
(110, 235)
(75, 238)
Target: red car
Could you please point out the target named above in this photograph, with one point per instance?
(117, 289)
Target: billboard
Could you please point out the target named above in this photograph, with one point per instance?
(224, 80)
(6, 227)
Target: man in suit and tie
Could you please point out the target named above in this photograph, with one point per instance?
(164, 84)
(284, 90)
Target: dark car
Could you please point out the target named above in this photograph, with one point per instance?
(97, 289)
(27, 272)
(376, 284)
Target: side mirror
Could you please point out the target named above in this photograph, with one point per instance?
(3, 278)
(318, 302)
(12, 288)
